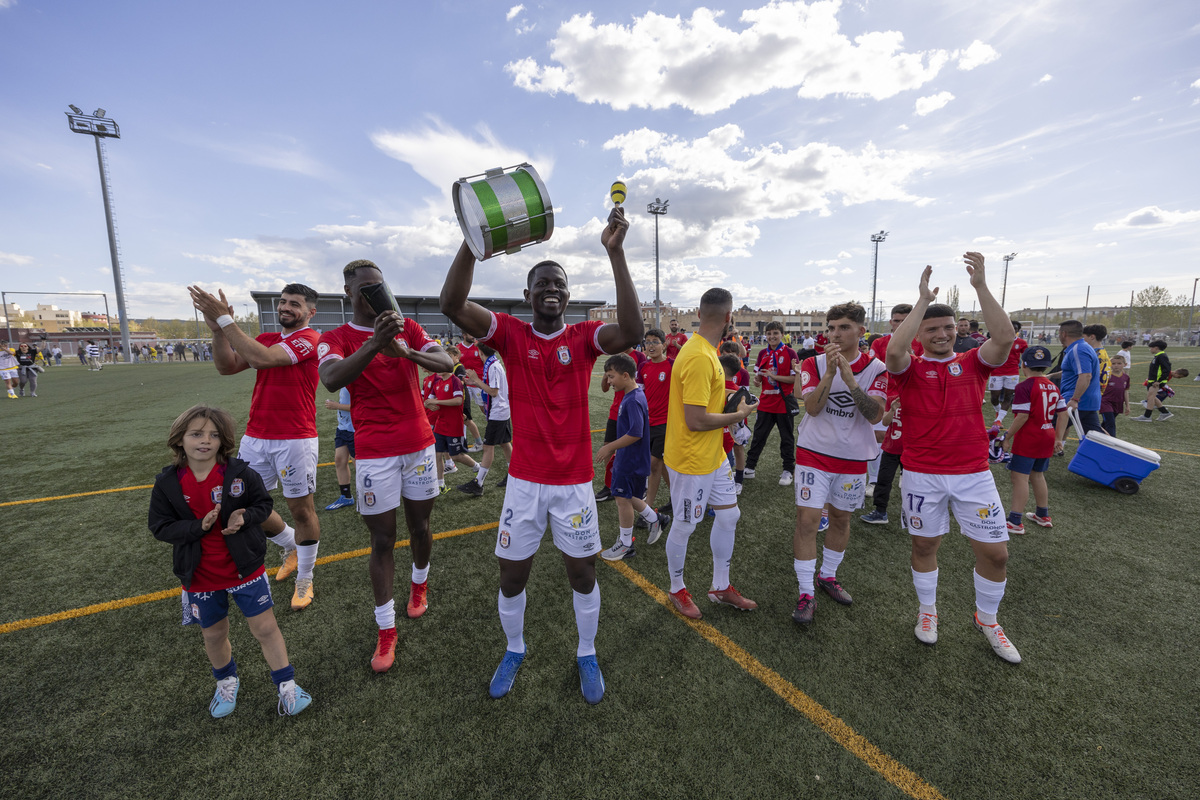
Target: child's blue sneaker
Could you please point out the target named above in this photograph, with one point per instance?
(591, 682)
(292, 699)
(341, 502)
(506, 673)
(225, 698)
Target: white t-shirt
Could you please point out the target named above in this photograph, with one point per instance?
(809, 343)
(498, 379)
(1128, 356)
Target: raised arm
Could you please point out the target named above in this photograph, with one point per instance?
(628, 330)
(996, 349)
(898, 358)
(470, 317)
(241, 350)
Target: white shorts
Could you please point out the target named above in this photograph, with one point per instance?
(476, 395)
(570, 512)
(998, 382)
(292, 462)
(815, 488)
(927, 500)
(8, 374)
(691, 493)
(383, 482)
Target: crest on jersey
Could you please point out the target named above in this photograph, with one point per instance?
(237, 488)
(955, 370)
(805, 493)
(505, 539)
(216, 494)
(369, 499)
(564, 354)
(322, 349)
(662, 376)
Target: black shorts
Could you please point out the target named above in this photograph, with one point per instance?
(466, 406)
(658, 438)
(344, 439)
(498, 431)
(448, 444)
(610, 431)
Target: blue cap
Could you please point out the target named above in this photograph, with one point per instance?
(1038, 357)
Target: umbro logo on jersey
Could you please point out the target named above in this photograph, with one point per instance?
(841, 399)
(533, 353)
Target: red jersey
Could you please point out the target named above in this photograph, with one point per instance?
(448, 420)
(1013, 365)
(427, 392)
(284, 404)
(727, 437)
(783, 360)
(216, 571)
(742, 378)
(385, 404)
(548, 378)
(618, 396)
(655, 379)
(944, 432)
(822, 340)
(674, 342)
(1037, 397)
(879, 347)
(892, 441)
(469, 357)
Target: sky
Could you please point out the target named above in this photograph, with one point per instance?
(270, 142)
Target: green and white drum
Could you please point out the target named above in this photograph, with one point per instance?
(508, 210)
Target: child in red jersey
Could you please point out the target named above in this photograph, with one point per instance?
(1031, 440)
(740, 378)
(654, 376)
(210, 507)
(446, 401)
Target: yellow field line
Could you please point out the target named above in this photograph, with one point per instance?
(113, 605)
(888, 768)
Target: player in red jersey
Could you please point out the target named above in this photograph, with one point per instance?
(549, 364)
(654, 376)
(1031, 440)
(280, 443)
(740, 379)
(945, 455)
(376, 357)
(843, 392)
(1003, 382)
(470, 359)
(675, 340)
(776, 373)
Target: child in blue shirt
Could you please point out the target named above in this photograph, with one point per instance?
(631, 462)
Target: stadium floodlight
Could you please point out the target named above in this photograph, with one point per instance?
(657, 208)
(876, 238)
(98, 127)
(1004, 286)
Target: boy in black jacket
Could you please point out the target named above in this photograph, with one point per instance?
(210, 507)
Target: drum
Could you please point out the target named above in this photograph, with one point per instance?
(508, 210)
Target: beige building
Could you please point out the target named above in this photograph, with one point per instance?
(53, 319)
(608, 313)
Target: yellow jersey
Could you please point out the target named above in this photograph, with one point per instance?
(696, 380)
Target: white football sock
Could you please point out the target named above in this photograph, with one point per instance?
(988, 595)
(724, 529)
(512, 620)
(587, 620)
(306, 558)
(285, 538)
(926, 585)
(481, 474)
(649, 514)
(627, 537)
(385, 615)
(804, 574)
(830, 561)
(677, 542)
(420, 575)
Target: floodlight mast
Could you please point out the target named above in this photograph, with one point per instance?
(1004, 285)
(876, 238)
(657, 208)
(99, 127)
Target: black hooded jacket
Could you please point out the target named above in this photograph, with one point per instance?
(171, 520)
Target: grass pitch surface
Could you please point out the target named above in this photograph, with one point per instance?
(1103, 608)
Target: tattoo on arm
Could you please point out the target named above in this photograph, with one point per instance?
(867, 406)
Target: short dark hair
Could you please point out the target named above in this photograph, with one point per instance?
(717, 297)
(539, 265)
(1161, 344)
(621, 363)
(902, 308)
(1016, 326)
(1126, 344)
(938, 310)
(662, 337)
(774, 326)
(1072, 328)
(485, 349)
(219, 417)
(974, 325)
(1096, 330)
(851, 311)
(310, 294)
(357, 264)
(964, 319)
(731, 348)
(731, 364)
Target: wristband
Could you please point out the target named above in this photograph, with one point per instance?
(224, 321)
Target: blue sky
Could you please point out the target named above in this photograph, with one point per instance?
(269, 142)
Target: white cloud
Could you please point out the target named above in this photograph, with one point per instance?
(7, 3)
(1149, 217)
(824, 262)
(440, 154)
(1106, 244)
(1046, 78)
(699, 64)
(844, 254)
(1196, 84)
(14, 258)
(927, 105)
(830, 271)
(1136, 98)
(512, 12)
(976, 55)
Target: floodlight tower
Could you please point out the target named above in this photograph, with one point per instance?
(876, 238)
(657, 208)
(98, 126)
(1004, 286)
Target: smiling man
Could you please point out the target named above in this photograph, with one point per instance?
(549, 364)
(281, 437)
